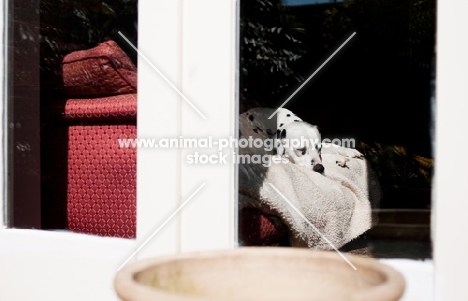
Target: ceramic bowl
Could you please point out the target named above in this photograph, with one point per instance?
(259, 274)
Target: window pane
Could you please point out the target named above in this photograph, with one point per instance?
(363, 72)
(71, 95)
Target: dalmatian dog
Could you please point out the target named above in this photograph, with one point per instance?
(256, 123)
(293, 138)
(301, 142)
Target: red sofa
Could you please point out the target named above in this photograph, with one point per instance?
(92, 185)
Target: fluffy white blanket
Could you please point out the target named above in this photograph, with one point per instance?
(337, 204)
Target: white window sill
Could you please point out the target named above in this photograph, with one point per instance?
(61, 264)
(419, 278)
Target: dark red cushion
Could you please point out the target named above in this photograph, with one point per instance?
(259, 229)
(119, 107)
(101, 71)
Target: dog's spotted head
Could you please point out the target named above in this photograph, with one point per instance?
(302, 143)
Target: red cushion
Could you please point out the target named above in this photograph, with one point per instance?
(259, 229)
(119, 107)
(100, 71)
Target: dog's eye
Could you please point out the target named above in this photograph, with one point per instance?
(303, 150)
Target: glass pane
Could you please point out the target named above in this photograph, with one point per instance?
(357, 74)
(71, 95)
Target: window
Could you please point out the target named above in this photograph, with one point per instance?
(375, 93)
(40, 259)
(63, 112)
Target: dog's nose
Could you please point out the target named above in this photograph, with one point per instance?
(318, 168)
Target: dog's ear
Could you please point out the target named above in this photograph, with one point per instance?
(283, 134)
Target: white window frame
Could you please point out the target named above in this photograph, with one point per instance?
(44, 265)
(203, 67)
(449, 221)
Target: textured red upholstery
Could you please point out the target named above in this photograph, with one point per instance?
(100, 71)
(119, 107)
(101, 176)
(101, 180)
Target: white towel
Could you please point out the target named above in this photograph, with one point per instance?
(338, 203)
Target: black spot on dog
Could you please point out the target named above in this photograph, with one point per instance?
(283, 134)
(296, 120)
(259, 129)
(255, 130)
(251, 118)
(275, 151)
(288, 115)
(281, 124)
